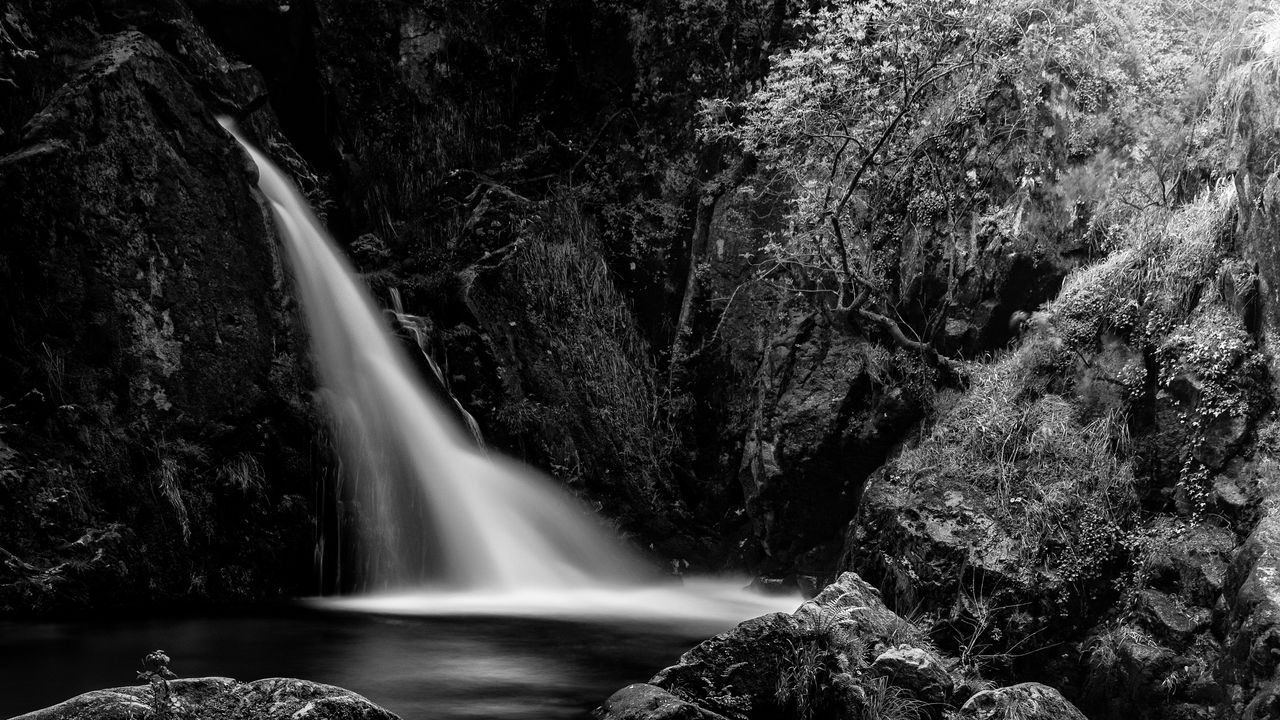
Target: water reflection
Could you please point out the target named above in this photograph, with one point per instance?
(417, 666)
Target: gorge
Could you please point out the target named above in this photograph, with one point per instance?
(954, 317)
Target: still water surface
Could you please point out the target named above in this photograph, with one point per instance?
(439, 667)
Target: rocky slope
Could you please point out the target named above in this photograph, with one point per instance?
(1091, 508)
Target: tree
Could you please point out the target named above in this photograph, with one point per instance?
(895, 130)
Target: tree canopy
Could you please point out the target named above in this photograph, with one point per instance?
(906, 138)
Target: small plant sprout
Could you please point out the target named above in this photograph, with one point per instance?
(156, 673)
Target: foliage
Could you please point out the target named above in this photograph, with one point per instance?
(898, 129)
(1106, 650)
(1173, 290)
(890, 702)
(156, 673)
(802, 680)
(1044, 468)
(1154, 278)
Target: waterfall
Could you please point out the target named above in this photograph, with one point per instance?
(434, 509)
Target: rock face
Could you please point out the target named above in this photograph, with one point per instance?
(1251, 666)
(155, 265)
(816, 404)
(215, 697)
(1090, 488)
(157, 423)
(822, 421)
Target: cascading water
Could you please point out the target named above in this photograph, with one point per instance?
(479, 534)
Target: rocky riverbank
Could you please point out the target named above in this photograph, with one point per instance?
(842, 655)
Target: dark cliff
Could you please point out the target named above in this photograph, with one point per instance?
(157, 434)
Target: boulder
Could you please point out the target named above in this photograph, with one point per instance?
(913, 539)
(1169, 618)
(743, 672)
(641, 701)
(917, 671)
(1026, 701)
(736, 673)
(151, 278)
(223, 698)
(1189, 560)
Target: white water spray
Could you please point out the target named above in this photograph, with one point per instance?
(480, 534)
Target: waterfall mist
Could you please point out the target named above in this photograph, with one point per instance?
(446, 528)
(435, 508)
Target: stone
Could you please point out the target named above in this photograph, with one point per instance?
(1265, 705)
(737, 673)
(917, 671)
(850, 608)
(641, 701)
(1170, 618)
(1025, 701)
(1252, 596)
(223, 698)
(1128, 672)
(912, 540)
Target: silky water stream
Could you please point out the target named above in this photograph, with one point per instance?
(492, 592)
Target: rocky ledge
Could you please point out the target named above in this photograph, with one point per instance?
(218, 697)
(842, 655)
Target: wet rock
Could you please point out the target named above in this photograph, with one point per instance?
(641, 701)
(177, 315)
(920, 672)
(774, 585)
(214, 697)
(738, 674)
(1027, 701)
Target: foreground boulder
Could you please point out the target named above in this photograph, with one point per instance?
(224, 698)
(1027, 701)
(841, 655)
(641, 701)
